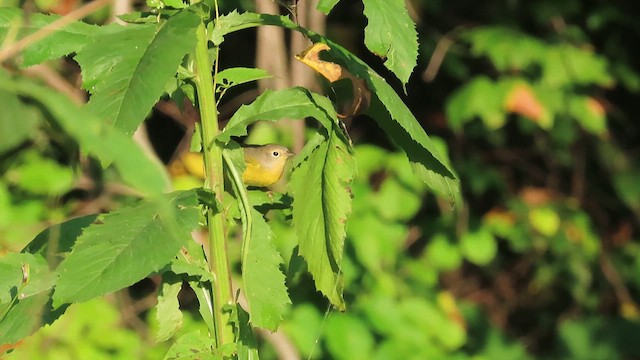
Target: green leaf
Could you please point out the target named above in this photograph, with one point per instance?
(263, 281)
(321, 205)
(349, 338)
(194, 346)
(240, 75)
(203, 292)
(293, 103)
(58, 42)
(232, 22)
(442, 254)
(508, 49)
(25, 296)
(23, 275)
(588, 113)
(127, 245)
(545, 220)
(481, 97)
(168, 313)
(246, 342)
(95, 137)
(479, 247)
(326, 5)
(566, 65)
(18, 122)
(124, 86)
(40, 175)
(57, 240)
(391, 34)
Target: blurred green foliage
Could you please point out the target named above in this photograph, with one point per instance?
(535, 103)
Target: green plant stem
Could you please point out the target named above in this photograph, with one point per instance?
(217, 255)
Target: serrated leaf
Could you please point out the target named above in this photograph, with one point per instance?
(321, 205)
(391, 34)
(194, 346)
(203, 292)
(142, 58)
(59, 42)
(95, 137)
(326, 5)
(246, 342)
(240, 75)
(168, 313)
(263, 281)
(54, 242)
(26, 280)
(293, 103)
(127, 245)
(232, 22)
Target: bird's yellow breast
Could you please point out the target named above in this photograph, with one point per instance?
(256, 175)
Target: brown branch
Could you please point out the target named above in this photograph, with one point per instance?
(57, 82)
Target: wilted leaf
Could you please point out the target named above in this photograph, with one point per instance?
(361, 96)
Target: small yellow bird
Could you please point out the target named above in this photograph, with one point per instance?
(265, 164)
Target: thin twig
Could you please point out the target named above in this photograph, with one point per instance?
(57, 82)
(442, 47)
(15, 48)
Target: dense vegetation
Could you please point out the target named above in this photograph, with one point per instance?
(531, 105)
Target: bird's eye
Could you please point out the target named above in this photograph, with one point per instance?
(276, 154)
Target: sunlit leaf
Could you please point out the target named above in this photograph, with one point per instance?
(25, 296)
(125, 85)
(392, 35)
(168, 313)
(326, 5)
(126, 245)
(58, 42)
(263, 281)
(321, 205)
(240, 75)
(293, 103)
